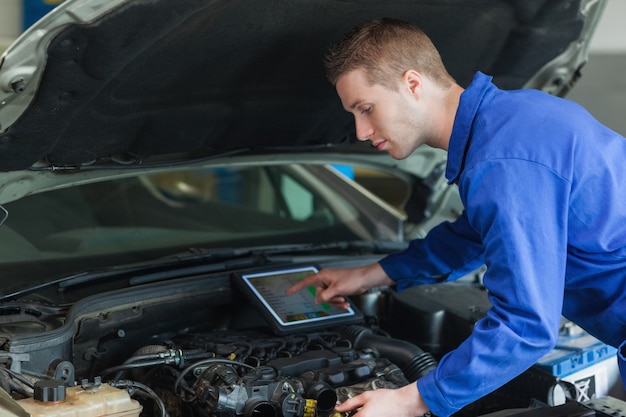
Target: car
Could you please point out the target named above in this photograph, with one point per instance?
(167, 168)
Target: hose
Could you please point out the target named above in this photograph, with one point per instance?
(414, 362)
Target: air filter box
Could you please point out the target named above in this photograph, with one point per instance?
(437, 317)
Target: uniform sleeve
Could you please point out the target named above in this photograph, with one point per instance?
(520, 210)
(448, 252)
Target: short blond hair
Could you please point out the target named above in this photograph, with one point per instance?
(385, 49)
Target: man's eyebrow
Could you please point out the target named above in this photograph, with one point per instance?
(355, 104)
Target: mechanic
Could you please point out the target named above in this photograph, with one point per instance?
(544, 191)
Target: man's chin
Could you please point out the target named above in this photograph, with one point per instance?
(398, 155)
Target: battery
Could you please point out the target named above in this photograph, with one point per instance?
(585, 362)
(574, 353)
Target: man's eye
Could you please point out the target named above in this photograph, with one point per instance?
(366, 110)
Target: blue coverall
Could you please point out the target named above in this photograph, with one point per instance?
(544, 189)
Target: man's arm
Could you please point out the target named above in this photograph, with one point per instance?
(448, 252)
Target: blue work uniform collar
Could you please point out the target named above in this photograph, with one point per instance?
(463, 121)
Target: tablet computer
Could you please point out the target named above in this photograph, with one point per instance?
(292, 313)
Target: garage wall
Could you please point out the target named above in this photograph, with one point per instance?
(610, 36)
(602, 88)
(10, 21)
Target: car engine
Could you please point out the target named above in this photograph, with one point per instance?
(196, 347)
(258, 374)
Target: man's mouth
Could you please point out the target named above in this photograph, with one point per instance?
(379, 145)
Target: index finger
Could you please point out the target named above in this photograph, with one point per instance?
(309, 280)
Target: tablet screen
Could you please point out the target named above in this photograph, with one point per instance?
(295, 312)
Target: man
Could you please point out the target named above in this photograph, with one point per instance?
(544, 190)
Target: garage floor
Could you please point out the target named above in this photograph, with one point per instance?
(602, 89)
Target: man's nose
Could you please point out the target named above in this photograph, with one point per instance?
(364, 130)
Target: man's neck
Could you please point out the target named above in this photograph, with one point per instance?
(449, 104)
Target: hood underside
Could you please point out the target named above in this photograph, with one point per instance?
(194, 78)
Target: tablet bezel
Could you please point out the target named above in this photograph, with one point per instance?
(279, 325)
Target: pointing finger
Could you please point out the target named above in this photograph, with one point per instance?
(300, 285)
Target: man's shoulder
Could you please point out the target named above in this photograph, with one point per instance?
(530, 110)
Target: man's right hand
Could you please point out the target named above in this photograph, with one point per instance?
(333, 284)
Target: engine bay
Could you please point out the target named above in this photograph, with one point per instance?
(197, 346)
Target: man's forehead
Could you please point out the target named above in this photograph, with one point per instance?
(354, 88)
(355, 76)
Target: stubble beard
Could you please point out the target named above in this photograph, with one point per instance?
(410, 136)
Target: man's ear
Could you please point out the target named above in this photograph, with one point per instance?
(412, 80)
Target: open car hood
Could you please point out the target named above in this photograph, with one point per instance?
(135, 82)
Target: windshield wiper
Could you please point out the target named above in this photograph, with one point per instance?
(163, 268)
(205, 260)
(262, 255)
(170, 267)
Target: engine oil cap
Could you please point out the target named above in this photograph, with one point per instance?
(49, 391)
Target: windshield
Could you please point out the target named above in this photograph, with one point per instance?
(138, 218)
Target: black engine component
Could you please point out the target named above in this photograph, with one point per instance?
(442, 315)
(261, 392)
